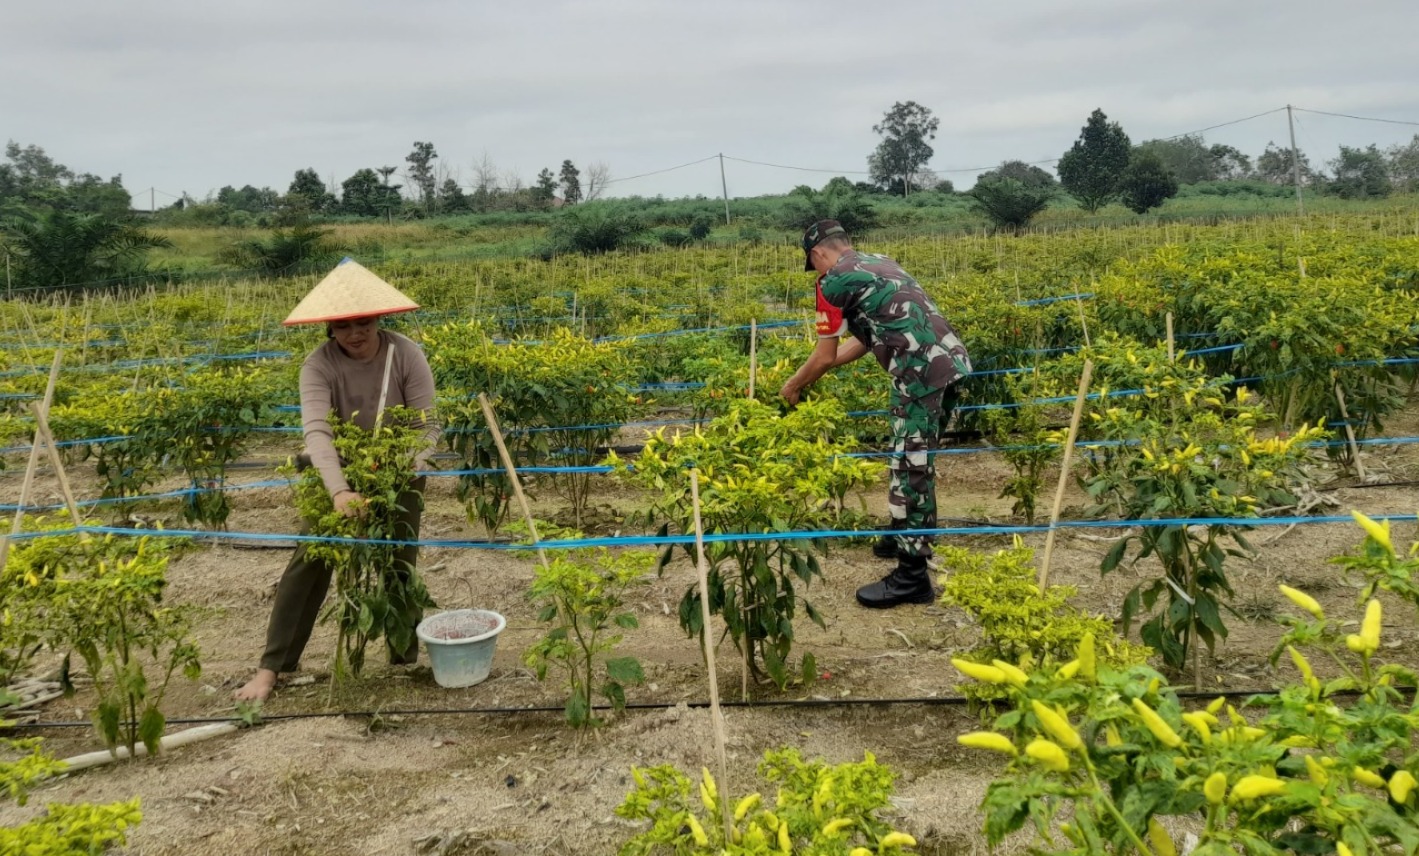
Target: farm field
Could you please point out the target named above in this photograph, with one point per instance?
(176, 408)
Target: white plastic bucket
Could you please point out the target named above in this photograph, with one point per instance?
(460, 644)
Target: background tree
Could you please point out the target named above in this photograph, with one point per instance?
(1404, 165)
(1091, 168)
(545, 190)
(838, 200)
(1187, 157)
(1360, 174)
(452, 199)
(907, 130)
(1027, 174)
(364, 194)
(1229, 164)
(1009, 203)
(31, 181)
(571, 183)
(65, 249)
(311, 192)
(1275, 166)
(248, 199)
(598, 175)
(421, 172)
(1147, 182)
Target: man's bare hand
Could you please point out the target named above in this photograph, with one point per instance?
(349, 503)
(791, 394)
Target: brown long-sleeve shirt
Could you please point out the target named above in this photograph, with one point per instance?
(332, 382)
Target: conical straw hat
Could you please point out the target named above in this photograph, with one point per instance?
(350, 291)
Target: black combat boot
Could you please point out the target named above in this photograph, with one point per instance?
(885, 547)
(909, 582)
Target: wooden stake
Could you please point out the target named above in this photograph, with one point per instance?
(1349, 429)
(1171, 353)
(716, 715)
(753, 354)
(512, 475)
(1079, 301)
(33, 463)
(1084, 378)
(43, 434)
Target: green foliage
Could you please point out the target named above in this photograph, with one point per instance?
(302, 248)
(309, 192)
(819, 809)
(1099, 755)
(1189, 159)
(62, 249)
(760, 473)
(131, 443)
(102, 598)
(23, 765)
(557, 401)
(373, 598)
(581, 594)
(364, 195)
(1019, 623)
(1024, 438)
(1360, 174)
(1380, 566)
(1091, 168)
(593, 228)
(73, 830)
(838, 200)
(1009, 204)
(31, 181)
(1147, 182)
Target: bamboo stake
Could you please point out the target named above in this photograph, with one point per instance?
(28, 483)
(42, 432)
(1349, 429)
(1084, 378)
(492, 421)
(753, 353)
(716, 715)
(1171, 353)
(1079, 301)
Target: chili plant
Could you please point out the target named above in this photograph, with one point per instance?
(373, 598)
(1021, 432)
(819, 809)
(761, 473)
(581, 595)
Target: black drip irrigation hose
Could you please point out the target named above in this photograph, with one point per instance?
(928, 701)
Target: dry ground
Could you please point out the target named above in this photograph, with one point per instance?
(523, 783)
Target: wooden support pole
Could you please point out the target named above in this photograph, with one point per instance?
(28, 483)
(1084, 379)
(492, 421)
(42, 433)
(1172, 352)
(1349, 429)
(753, 354)
(707, 639)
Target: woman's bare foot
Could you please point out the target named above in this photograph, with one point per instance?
(258, 688)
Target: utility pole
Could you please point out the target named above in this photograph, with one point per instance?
(1295, 160)
(724, 185)
(152, 201)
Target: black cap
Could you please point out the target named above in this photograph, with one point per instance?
(815, 235)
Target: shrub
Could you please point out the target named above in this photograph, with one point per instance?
(593, 228)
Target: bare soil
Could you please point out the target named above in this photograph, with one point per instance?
(377, 780)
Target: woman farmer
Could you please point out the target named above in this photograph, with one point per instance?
(356, 370)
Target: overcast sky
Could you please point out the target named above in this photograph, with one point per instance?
(191, 96)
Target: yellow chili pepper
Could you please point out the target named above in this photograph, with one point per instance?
(1319, 777)
(1343, 849)
(1303, 600)
(745, 806)
(988, 740)
(1088, 664)
(1056, 725)
(1111, 735)
(1048, 754)
(1199, 724)
(1014, 675)
(979, 671)
(1216, 705)
(1155, 724)
(833, 827)
(860, 851)
(1302, 664)
(896, 839)
(1215, 788)
(1368, 778)
(1378, 530)
(1370, 626)
(1160, 839)
(1356, 643)
(1068, 670)
(697, 832)
(785, 842)
(1401, 785)
(1256, 787)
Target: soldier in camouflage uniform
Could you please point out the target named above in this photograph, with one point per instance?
(886, 312)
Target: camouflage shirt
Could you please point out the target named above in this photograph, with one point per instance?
(888, 311)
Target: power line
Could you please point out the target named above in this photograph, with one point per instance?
(1225, 124)
(659, 171)
(1361, 118)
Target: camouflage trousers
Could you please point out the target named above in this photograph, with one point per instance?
(911, 493)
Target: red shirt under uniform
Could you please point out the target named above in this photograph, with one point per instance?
(831, 324)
